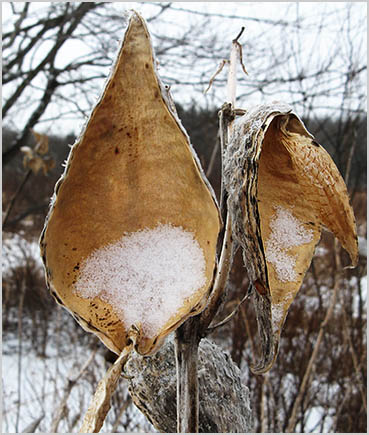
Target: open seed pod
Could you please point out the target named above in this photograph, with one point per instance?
(282, 187)
(130, 238)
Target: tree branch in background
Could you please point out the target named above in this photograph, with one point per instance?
(15, 196)
(47, 63)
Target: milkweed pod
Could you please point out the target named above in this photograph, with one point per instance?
(282, 188)
(130, 238)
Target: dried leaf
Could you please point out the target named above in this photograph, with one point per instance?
(131, 175)
(35, 158)
(42, 142)
(283, 186)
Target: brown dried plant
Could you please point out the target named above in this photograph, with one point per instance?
(282, 188)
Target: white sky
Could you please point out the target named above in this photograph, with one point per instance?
(173, 23)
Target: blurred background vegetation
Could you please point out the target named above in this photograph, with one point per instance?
(56, 57)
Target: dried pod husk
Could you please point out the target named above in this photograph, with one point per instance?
(131, 180)
(282, 188)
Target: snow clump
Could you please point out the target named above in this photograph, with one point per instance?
(145, 276)
(287, 232)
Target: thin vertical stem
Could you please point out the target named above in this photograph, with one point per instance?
(232, 75)
(186, 352)
(234, 60)
(20, 353)
(188, 336)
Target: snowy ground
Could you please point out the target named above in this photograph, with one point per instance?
(33, 387)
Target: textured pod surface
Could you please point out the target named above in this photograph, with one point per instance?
(224, 400)
(282, 187)
(132, 204)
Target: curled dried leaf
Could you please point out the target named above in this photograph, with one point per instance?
(282, 187)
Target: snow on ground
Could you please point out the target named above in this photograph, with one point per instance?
(40, 382)
(16, 250)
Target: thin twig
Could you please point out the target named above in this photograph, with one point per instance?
(232, 314)
(20, 348)
(239, 35)
(354, 358)
(31, 428)
(212, 78)
(262, 404)
(248, 331)
(212, 159)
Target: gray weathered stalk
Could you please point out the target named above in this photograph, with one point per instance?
(186, 353)
(224, 402)
(188, 336)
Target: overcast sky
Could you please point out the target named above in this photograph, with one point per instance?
(321, 42)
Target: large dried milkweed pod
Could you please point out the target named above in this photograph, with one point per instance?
(282, 187)
(130, 239)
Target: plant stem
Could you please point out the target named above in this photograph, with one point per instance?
(188, 336)
(186, 353)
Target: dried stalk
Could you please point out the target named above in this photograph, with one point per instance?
(188, 336)
(212, 159)
(186, 352)
(263, 399)
(20, 348)
(248, 331)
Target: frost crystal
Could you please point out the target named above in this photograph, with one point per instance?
(286, 233)
(145, 276)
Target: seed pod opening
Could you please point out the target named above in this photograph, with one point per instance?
(130, 238)
(282, 187)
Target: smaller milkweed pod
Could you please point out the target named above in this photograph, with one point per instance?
(130, 238)
(282, 187)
